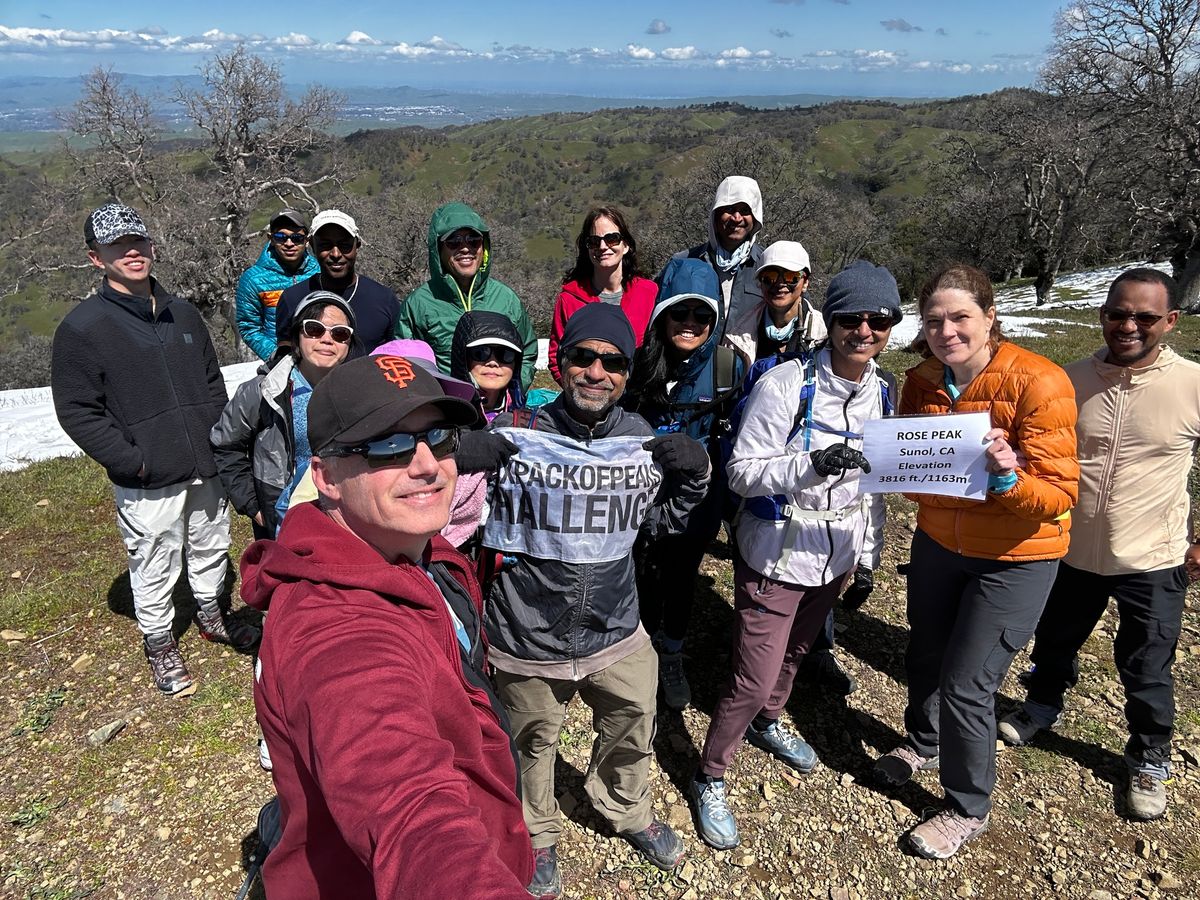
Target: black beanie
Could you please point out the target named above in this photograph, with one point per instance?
(598, 322)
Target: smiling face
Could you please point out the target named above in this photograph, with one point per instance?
(336, 250)
(126, 262)
(690, 334)
(958, 331)
(1131, 344)
(733, 225)
(319, 355)
(592, 391)
(397, 508)
(783, 300)
(604, 258)
(853, 348)
(461, 253)
(289, 244)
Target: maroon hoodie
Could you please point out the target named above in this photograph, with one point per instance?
(395, 776)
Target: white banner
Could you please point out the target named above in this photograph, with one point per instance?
(562, 499)
(927, 455)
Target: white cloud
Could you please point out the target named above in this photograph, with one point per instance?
(359, 38)
(636, 52)
(736, 53)
(688, 52)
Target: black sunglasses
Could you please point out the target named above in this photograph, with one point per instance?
(702, 315)
(312, 328)
(582, 357)
(455, 242)
(399, 449)
(850, 322)
(1145, 319)
(612, 239)
(481, 353)
(281, 237)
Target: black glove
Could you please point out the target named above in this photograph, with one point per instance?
(860, 588)
(679, 453)
(483, 451)
(837, 459)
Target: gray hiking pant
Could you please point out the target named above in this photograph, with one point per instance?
(968, 618)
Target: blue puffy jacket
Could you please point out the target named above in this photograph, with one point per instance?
(258, 292)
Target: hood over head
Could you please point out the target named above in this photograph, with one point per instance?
(447, 219)
(688, 279)
(737, 189)
(480, 326)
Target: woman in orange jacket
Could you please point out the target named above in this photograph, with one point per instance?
(980, 572)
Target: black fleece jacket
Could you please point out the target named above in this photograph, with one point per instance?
(134, 388)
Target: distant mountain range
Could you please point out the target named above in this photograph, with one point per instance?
(32, 103)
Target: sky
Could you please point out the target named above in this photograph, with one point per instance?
(614, 48)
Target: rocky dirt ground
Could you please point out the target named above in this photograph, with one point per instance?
(166, 808)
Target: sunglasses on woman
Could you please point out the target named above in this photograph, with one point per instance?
(315, 329)
(582, 357)
(457, 242)
(399, 449)
(506, 356)
(611, 239)
(1145, 319)
(772, 277)
(701, 315)
(851, 321)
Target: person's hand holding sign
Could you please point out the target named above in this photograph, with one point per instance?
(1002, 459)
(483, 451)
(837, 459)
(679, 453)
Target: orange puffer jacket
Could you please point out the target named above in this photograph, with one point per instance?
(1033, 401)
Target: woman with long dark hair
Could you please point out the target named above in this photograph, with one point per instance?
(682, 381)
(605, 271)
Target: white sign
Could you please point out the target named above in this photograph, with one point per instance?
(927, 455)
(559, 498)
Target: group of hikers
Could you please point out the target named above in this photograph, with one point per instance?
(449, 557)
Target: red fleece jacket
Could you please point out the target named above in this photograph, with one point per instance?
(394, 775)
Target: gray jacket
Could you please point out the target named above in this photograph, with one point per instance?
(571, 619)
(253, 442)
(744, 293)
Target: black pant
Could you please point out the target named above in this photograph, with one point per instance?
(968, 618)
(667, 569)
(1150, 607)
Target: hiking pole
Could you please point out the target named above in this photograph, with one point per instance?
(269, 832)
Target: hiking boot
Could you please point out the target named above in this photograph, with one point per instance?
(941, 836)
(1146, 798)
(823, 668)
(1018, 728)
(166, 664)
(659, 844)
(216, 628)
(897, 766)
(675, 690)
(784, 745)
(714, 821)
(546, 883)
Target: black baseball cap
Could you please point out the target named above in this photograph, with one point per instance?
(364, 399)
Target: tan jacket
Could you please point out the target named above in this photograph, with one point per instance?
(1137, 433)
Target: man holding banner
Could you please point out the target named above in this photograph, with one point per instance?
(562, 616)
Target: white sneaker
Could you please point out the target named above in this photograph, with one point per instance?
(264, 755)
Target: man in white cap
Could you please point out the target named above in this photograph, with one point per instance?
(335, 242)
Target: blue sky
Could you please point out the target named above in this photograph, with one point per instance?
(647, 48)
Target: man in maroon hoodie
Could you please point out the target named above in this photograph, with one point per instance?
(392, 758)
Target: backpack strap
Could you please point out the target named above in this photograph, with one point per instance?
(525, 418)
(887, 391)
(723, 370)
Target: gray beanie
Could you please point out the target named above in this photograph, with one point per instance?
(862, 287)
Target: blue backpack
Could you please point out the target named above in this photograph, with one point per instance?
(772, 508)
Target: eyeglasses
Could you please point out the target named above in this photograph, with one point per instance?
(455, 242)
(772, 277)
(345, 245)
(582, 357)
(850, 322)
(611, 239)
(702, 315)
(399, 449)
(282, 237)
(315, 329)
(506, 356)
(1144, 319)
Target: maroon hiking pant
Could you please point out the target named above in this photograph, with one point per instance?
(776, 624)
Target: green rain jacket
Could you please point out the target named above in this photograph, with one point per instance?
(431, 312)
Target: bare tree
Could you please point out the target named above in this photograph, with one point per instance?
(1138, 59)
